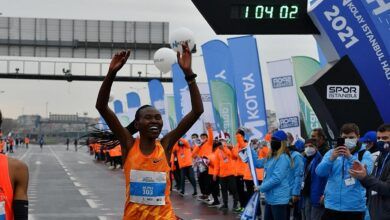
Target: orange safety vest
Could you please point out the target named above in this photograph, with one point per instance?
(26, 140)
(116, 151)
(1, 145)
(224, 162)
(140, 170)
(184, 154)
(6, 191)
(240, 166)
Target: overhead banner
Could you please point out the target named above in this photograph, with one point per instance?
(170, 107)
(122, 116)
(218, 65)
(304, 69)
(285, 96)
(225, 106)
(248, 85)
(156, 92)
(356, 29)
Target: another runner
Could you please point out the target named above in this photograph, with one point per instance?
(13, 188)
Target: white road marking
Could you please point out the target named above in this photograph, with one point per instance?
(38, 162)
(69, 174)
(81, 162)
(72, 178)
(24, 155)
(77, 184)
(31, 217)
(91, 203)
(102, 217)
(105, 209)
(83, 192)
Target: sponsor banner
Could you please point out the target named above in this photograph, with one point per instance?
(207, 117)
(183, 101)
(156, 92)
(218, 65)
(342, 92)
(304, 69)
(225, 106)
(170, 108)
(248, 85)
(179, 89)
(133, 103)
(352, 27)
(285, 95)
(122, 116)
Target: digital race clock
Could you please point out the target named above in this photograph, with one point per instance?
(257, 16)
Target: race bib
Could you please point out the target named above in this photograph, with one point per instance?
(2, 210)
(147, 187)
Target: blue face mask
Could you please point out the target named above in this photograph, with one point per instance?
(383, 146)
(364, 145)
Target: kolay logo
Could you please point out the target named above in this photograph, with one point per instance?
(289, 122)
(342, 92)
(283, 81)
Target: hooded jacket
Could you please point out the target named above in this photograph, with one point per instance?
(339, 196)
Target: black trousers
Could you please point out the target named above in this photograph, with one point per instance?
(204, 182)
(228, 184)
(337, 215)
(214, 187)
(242, 195)
(189, 173)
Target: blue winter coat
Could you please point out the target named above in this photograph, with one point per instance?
(317, 183)
(339, 196)
(276, 185)
(296, 176)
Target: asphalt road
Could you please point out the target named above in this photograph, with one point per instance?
(68, 185)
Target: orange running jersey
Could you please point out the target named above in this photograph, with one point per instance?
(6, 191)
(147, 185)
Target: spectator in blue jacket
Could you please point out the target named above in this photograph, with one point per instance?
(313, 185)
(345, 197)
(296, 176)
(276, 183)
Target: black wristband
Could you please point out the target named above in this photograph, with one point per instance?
(20, 208)
(190, 77)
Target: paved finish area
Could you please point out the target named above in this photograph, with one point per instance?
(68, 185)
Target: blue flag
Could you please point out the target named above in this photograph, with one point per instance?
(249, 85)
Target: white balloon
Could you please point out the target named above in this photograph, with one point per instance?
(164, 58)
(180, 36)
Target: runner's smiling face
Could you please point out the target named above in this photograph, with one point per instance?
(149, 122)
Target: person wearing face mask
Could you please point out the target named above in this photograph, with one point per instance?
(378, 183)
(345, 197)
(199, 153)
(319, 136)
(276, 185)
(369, 142)
(313, 185)
(296, 177)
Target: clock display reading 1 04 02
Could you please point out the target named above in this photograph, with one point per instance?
(265, 12)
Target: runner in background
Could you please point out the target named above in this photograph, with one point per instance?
(26, 141)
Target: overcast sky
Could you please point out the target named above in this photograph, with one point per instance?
(32, 97)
